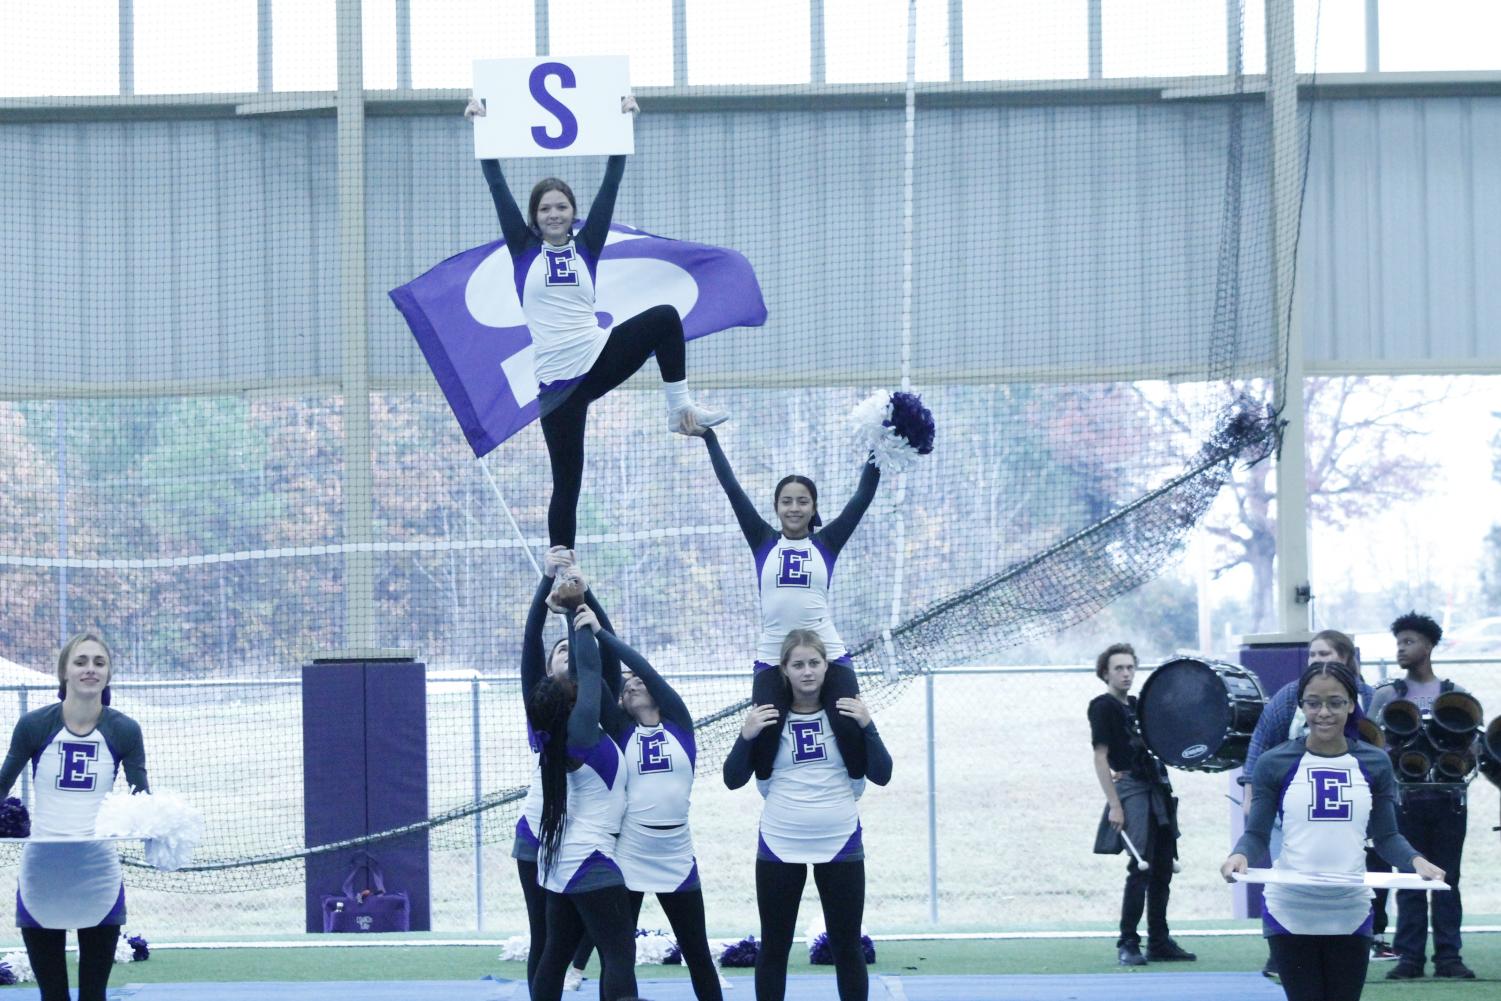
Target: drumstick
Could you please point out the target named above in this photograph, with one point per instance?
(1142, 863)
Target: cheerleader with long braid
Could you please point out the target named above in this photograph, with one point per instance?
(577, 361)
(75, 748)
(1332, 792)
(536, 667)
(809, 817)
(583, 800)
(655, 847)
(795, 570)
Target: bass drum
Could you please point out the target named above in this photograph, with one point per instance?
(1199, 714)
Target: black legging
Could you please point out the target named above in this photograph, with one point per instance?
(770, 688)
(47, 950)
(841, 891)
(1321, 967)
(1149, 888)
(685, 912)
(536, 921)
(605, 915)
(658, 330)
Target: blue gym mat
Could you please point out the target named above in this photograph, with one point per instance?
(1089, 987)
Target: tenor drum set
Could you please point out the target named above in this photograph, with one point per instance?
(1199, 714)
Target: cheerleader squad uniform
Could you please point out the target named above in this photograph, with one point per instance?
(524, 845)
(810, 817)
(1329, 805)
(585, 888)
(71, 885)
(655, 847)
(577, 360)
(793, 578)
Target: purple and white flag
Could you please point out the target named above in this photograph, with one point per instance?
(467, 317)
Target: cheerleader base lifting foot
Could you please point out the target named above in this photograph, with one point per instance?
(690, 419)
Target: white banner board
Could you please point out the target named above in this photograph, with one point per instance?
(1379, 880)
(552, 106)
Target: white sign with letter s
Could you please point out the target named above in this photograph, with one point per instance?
(552, 106)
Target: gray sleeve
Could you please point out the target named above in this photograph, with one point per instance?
(1266, 798)
(1382, 826)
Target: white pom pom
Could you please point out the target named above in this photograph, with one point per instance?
(653, 947)
(815, 928)
(20, 965)
(172, 828)
(888, 450)
(515, 949)
(123, 952)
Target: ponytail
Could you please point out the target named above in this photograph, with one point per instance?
(547, 710)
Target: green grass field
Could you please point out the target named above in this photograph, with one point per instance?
(900, 958)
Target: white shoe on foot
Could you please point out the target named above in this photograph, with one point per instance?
(573, 978)
(692, 420)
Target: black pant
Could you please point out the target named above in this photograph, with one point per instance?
(1436, 827)
(1321, 967)
(47, 950)
(1375, 863)
(605, 915)
(536, 920)
(685, 912)
(841, 891)
(769, 688)
(1149, 889)
(658, 330)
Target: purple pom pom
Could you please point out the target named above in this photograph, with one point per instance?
(912, 421)
(674, 957)
(742, 953)
(819, 953)
(15, 822)
(7, 975)
(140, 951)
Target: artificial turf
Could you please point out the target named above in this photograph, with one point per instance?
(909, 958)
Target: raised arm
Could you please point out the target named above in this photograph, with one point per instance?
(512, 223)
(609, 661)
(596, 227)
(668, 702)
(757, 533)
(583, 721)
(837, 532)
(533, 657)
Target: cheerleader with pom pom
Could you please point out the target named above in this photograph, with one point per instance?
(795, 565)
(75, 748)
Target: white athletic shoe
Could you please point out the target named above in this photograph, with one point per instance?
(692, 420)
(573, 978)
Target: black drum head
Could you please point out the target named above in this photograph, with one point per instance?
(1185, 713)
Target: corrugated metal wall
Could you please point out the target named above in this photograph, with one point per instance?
(205, 250)
(1401, 235)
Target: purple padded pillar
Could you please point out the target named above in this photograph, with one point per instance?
(1274, 664)
(364, 759)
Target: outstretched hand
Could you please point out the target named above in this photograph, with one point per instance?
(758, 719)
(1426, 869)
(585, 618)
(558, 557)
(628, 104)
(1235, 863)
(855, 709)
(474, 109)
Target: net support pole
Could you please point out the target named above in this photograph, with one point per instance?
(1373, 36)
(263, 43)
(932, 805)
(479, 793)
(1287, 162)
(359, 565)
(127, 48)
